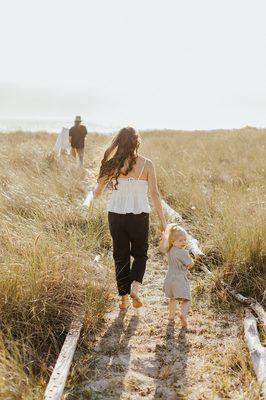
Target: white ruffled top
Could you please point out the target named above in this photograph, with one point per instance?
(131, 196)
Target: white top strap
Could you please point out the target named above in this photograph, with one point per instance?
(142, 169)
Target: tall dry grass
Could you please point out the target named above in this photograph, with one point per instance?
(216, 180)
(47, 274)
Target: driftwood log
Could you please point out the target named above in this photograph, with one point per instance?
(250, 302)
(256, 350)
(247, 301)
(259, 310)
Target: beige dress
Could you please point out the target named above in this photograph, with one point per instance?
(176, 283)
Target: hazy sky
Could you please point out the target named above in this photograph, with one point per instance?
(151, 63)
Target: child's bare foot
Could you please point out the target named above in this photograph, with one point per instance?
(189, 330)
(124, 302)
(183, 320)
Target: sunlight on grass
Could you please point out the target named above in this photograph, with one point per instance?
(215, 180)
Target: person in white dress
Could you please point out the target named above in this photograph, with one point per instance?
(62, 144)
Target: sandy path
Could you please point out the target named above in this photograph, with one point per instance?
(140, 356)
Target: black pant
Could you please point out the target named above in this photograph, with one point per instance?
(130, 238)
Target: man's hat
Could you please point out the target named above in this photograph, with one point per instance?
(78, 118)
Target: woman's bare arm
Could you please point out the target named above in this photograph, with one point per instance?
(100, 187)
(155, 195)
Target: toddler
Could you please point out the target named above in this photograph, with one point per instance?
(176, 284)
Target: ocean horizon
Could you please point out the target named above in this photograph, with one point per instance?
(49, 125)
(55, 125)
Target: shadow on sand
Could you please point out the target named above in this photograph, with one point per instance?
(172, 356)
(111, 359)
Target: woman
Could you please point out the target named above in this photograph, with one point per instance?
(131, 176)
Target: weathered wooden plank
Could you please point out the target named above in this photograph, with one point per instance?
(257, 351)
(56, 384)
(193, 243)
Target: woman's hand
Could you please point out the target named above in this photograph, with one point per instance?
(97, 192)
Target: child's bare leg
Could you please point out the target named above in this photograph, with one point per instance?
(172, 309)
(185, 305)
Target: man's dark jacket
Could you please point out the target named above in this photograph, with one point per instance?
(77, 134)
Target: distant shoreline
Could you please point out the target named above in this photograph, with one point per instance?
(154, 131)
(55, 125)
(49, 125)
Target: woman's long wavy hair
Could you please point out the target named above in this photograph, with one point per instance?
(124, 147)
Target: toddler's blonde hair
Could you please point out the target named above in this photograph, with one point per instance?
(172, 231)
